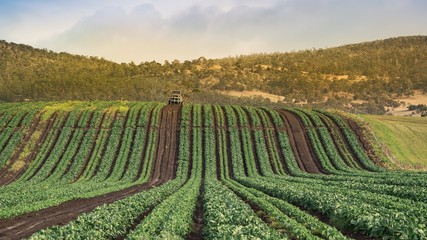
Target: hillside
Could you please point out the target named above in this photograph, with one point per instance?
(405, 138)
(133, 170)
(364, 77)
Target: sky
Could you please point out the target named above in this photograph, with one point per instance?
(147, 30)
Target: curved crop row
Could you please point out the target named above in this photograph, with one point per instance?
(241, 172)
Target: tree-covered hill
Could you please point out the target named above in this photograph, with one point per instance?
(375, 72)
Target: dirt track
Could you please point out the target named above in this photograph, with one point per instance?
(163, 170)
(300, 143)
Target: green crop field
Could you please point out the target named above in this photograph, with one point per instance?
(405, 137)
(146, 170)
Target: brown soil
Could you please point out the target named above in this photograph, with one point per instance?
(162, 171)
(165, 162)
(300, 144)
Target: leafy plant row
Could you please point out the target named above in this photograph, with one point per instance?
(116, 219)
(373, 214)
(50, 191)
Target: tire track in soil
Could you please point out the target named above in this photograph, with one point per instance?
(300, 144)
(170, 112)
(162, 171)
(166, 157)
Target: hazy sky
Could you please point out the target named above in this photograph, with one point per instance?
(146, 30)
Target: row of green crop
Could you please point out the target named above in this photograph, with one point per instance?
(307, 228)
(372, 214)
(116, 219)
(272, 142)
(225, 215)
(77, 162)
(284, 145)
(100, 144)
(353, 142)
(72, 147)
(235, 142)
(415, 193)
(139, 141)
(46, 147)
(237, 152)
(50, 192)
(339, 141)
(322, 143)
(250, 159)
(286, 219)
(166, 221)
(257, 143)
(13, 127)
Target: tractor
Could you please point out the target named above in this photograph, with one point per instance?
(176, 97)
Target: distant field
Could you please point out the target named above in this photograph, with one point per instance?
(406, 137)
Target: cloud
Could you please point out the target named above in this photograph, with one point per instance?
(144, 30)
